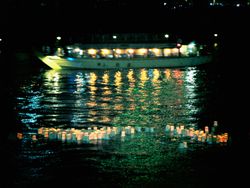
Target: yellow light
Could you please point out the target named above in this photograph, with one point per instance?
(130, 51)
(144, 76)
(77, 49)
(92, 51)
(156, 50)
(167, 52)
(131, 76)
(175, 50)
(168, 74)
(118, 51)
(184, 49)
(105, 78)
(105, 51)
(92, 78)
(142, 50)
(118, 78)
(156, 75)
(92, 81)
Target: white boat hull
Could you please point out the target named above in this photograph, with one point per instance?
(56, 62)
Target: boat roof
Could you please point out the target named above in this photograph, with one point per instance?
(123, 45)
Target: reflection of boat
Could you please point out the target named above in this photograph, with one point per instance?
(56, 62)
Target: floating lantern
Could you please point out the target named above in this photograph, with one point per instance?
(34, 137)
(97, 134)
(206, 129)
(132, 130)
(40, 130)
(19, 136)
(123, 133)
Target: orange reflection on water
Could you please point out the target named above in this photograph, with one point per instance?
(105, 119)
(131, 76)
(131, 80)
(118, 107)
(92, 90)
(118, 78)
(156, 75)
(178, 75)
(92, 78)
(144, 77)
(105, 105)
(168, 74)
(92, 81)
(91, 104)
(106, 91)
(106, 99)
(105, 78)
(92, 112)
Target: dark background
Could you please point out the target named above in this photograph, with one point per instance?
(25, 24)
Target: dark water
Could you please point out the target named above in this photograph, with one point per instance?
(145, 98)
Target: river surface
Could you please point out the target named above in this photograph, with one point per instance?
(141, 102)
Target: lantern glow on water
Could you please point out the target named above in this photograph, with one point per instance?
(178, 133)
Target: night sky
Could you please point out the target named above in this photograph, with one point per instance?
(28, 22)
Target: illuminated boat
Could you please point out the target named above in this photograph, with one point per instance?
(56, 62)
(99, 57)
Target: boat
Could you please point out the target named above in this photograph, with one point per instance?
(56, 62)
(125, 56)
